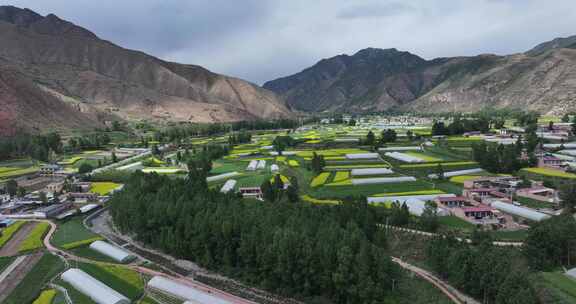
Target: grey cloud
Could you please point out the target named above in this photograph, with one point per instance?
(263, 39)
(374, 10)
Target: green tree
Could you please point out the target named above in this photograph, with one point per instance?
(85, 168)
(11, 187)
(567, 197)
(21, 192)
(114, 158)
(440, 172)
(42, 197)
(370, 139)
(429, 218)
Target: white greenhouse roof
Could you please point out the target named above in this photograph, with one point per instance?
(404, 157)
(458, 172)
(382, 180)
(571, 145)
(228, 186)
(411, 148)
(184, 292)
(523, 212)
(94, 289)
(362, 156)
(402, 199)
(111, 251)
(370, 171)
(252, 165)
(274, 168)
(221, 176)
(284, 153)
(261, 164)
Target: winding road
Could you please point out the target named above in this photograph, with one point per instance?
(181, 279)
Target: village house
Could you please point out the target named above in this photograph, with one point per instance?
(478, 215)
(452, 202)
(251, 192)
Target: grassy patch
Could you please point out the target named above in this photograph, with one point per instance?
(454, 223)
(308, 198)
(29, 288)
(81, 243)
(516, 235)
(46, 297)
(18, 172)
(434, 166)
(293, 163)
(562, 282)
(34, 240)
(71, 232)
(9, 232)
(121, 279)
(5, 262)
(424, 156)
(341, 176)
(103, 188)
(462, 178)
(550, 172)
(320, 179)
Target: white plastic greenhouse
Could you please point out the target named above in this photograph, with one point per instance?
(284, 153)
(404, 157)
(382, 180)
(362, 156)
(411, 148)
(94, 289)
(261, 165)
(402, 199)
(523, 212)
(252, 165)
(571, 145)
(274, 168)
(184, 292)
(228, 186)
(111, 251)
(416, 207)
(221, 176)
(458, 173)
(370, 171)
(347, 140)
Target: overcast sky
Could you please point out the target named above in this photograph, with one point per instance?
(260, 40)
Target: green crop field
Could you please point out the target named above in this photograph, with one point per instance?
(29, 288)
(368, 190)
(425, 156)
(103, 188)
(34, 240)
(121, 279)
(549, 172)
(87, 252)
(70, 232)
(560, 281)
(8, 232)
(46, 297)
(5, 262)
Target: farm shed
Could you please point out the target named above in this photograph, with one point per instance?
(571, 273)
(404, 157)
(261, 165)
(228, 186)
(112, 251)
(362, 156)
(457, 173)
(94, 289)
(252, 165)
(221, 176)
(88, 208)
(523, 212)
(401, 199)
(410, 148)
(382, 180)
(370, 171)
(184, 292)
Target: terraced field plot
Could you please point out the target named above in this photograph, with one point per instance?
(72, 233)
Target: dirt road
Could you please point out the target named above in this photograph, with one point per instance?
(11, 248)
(12, 279)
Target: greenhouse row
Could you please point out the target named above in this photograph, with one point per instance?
(362, 156)
(404, 157)
(383, 180)
(112, 251)
(522, 212)
(410, 148)
(184, 292)
(370, 171)
(221, 176)
(458, 173)
(94, 289)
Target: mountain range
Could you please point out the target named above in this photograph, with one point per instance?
(55, 74)
(542, 79)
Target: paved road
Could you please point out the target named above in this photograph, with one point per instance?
(181, 279)
(451, 292)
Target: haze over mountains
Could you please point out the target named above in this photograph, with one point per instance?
(54, 74)
(542, 79)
